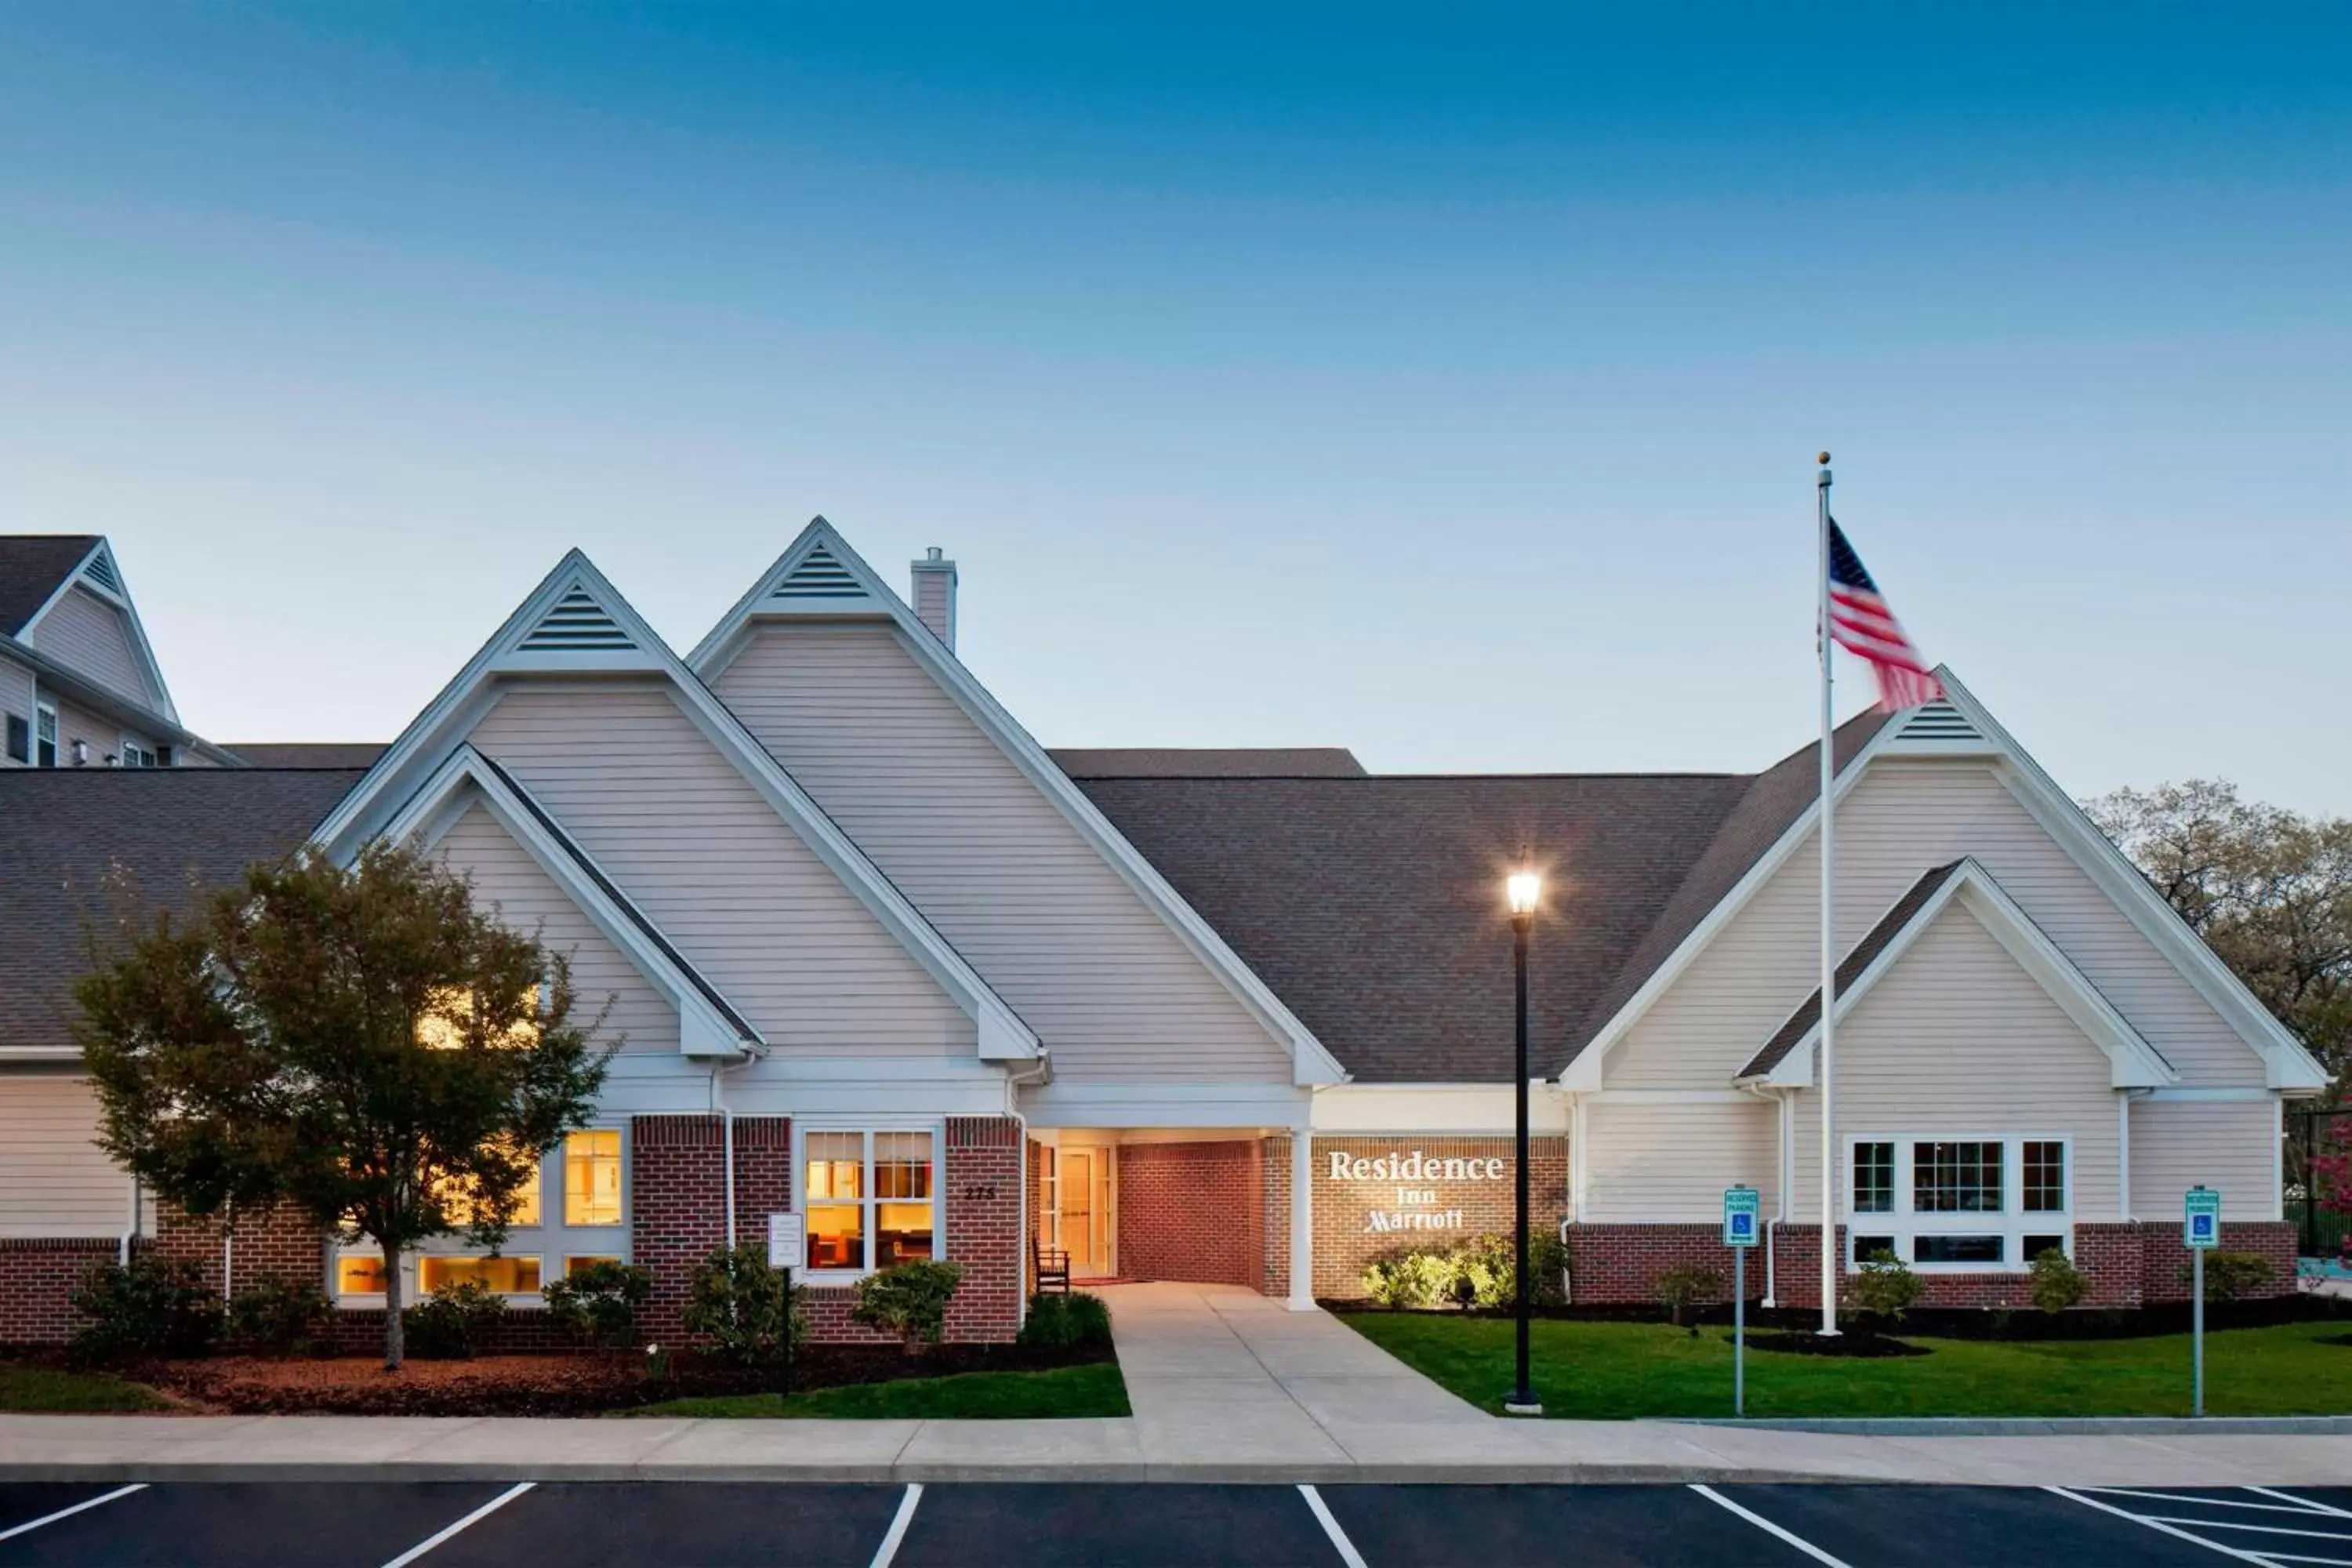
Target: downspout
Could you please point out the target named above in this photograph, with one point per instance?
(131, 1231)
(228, 1248)
(725, 1113)
(1784, 1126)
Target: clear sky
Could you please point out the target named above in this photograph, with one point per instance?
(1436, 381)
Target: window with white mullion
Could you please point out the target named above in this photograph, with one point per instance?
(868, 1197)
(1959, 1203)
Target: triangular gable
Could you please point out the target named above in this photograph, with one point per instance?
(98, 574)
(1961, 727)
(1786, 1059)
(576, 624)
(708, 1025)
(820, 577)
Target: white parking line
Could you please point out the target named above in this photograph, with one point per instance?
(2260, 1562)
(2308, 1505)
(479, 1514)
(2299, 1506)
(1768, 1527)
(1340, 1541)
(887, 1552)
(33, 1524)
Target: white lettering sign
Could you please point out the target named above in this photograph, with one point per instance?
(1416, 1166)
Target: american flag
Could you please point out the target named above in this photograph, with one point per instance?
(1861, 623)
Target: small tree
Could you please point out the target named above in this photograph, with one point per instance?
(1881, 1291)
(910, 1299)
(1685, 1286)
(2057, 1284)
(362, 1043)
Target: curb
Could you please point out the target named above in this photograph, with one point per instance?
(2044, 1427)
(1323, 1474)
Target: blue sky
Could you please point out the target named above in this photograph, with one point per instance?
(1440, 382)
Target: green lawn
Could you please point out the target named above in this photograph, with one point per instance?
(50, 1388)
(1092, 1390)
(1604, 1371)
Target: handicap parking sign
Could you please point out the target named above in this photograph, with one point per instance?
(2202, 1219)
(1740, 1207)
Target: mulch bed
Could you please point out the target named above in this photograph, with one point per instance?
(576, 1384)
(1859, 1347)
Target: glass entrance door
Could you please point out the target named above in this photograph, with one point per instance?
(1081, 1199)
(1078, 1238)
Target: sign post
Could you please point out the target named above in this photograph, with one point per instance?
(787, 1237)
(2201, 1233)
(1741, 1205)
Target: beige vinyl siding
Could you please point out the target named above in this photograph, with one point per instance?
(1648, 1163)
(1958, 1040)
(528, 899)
(104, 735)
(16, 697)
(1111, 989)
(85, 633)
(1902, 819)
(2177, 1145)
(53, 1180)
(686, 835)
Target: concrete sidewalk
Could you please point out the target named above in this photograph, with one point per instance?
(1226, 1386)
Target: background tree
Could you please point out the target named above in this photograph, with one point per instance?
(2270, 891)
(363, 1043)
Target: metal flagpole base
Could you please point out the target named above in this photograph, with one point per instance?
(1512, 1407)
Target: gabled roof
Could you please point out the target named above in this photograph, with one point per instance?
(51, 565)
(1207, 761)
(1787, 1058)
(819, 576)
(171, 833)
(308, 753)
(708, 1025)
(576, 625)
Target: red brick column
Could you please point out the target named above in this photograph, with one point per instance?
(677, 1211)
(1276, 1207)
(981, 1185)
(38, 1276)
(1193, 1212)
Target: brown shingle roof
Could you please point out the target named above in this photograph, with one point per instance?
(32, 565)
(1849, 970)
(172, 830)
(1208, 762)
(308, 754)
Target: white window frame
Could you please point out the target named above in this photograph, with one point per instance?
(550, 1241)
(46, 713)
(127, 746)
(2013, 1221)
(869, 1126)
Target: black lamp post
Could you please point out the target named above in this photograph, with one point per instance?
(1524, 887)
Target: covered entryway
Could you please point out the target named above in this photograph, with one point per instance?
(1202, 1205)
(1078, 1211)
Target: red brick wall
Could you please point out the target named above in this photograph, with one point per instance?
(1610, 1265)
(2163, 1257)
(983, 1186)
(1277, 1209)
(1193, 1212)
(36, 1276)
(1344, 1240)
(280, 1242)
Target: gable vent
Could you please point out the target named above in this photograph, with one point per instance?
(819, 575)
(100, 571)
(577, 622)
(1939, 721)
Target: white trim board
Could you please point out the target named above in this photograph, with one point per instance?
(850, 589)
(618, 643)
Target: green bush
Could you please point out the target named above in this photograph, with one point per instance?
(910, 1299)
(453, 1322)
(157, 1307)
(2228, 1275)
(278, 1316)
(745, 1305)
(1882, 1291)
(1546, 1270)
(1409, 1279)
(1060, 1322)
(1486, 1272)
(2057, 1284)
(1686, 1286)
(598, 1305)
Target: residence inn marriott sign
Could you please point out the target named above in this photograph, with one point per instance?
(1231, 1017)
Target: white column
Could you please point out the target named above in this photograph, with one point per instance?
(1302, 1220)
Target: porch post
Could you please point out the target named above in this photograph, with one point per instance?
(1302, 1220)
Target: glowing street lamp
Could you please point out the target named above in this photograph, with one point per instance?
(1523, 888)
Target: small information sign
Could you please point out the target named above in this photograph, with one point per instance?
(784, 1241)
(2200, 1222)
(1741, 1206)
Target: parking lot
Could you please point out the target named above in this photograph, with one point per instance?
(716, 1524)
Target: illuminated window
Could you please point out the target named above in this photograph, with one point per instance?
(857, 1185)
(511, 1276)
(449, 1017)
(359, 1275)
(592, 1177)
(575, 1262)
(526, 1212)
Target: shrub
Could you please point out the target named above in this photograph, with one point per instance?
(1408, 1279)
(598, 1305)
(1685, 1286)
(1883, 1290)
(2057, 1284)
(1059, 1322)
(910, 1299)
(2228, 1275)
(453, 1322)
(746, 1306)
(281, 1316)
(157, 1307)
(1486, 1272)
(1546, 1270)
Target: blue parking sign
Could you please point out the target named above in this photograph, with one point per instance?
(2201, 1226)
(1741, 1206)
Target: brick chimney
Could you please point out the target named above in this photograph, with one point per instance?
(935, 594)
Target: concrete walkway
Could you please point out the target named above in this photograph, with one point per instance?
(1226, 1386)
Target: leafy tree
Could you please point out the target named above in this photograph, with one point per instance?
(362, 1043)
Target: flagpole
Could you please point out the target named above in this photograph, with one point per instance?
(1829, 930)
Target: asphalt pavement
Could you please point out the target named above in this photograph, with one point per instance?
(717, 1524)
